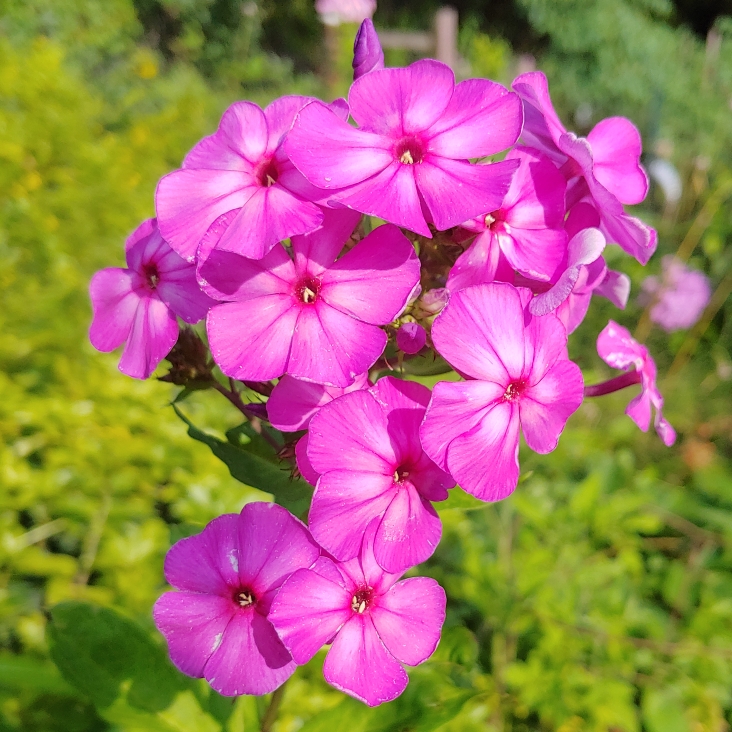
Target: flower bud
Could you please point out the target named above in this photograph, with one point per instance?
(433, 301)
(411, 338)
(367, 53)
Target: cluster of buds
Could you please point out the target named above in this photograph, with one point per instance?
(485, 266)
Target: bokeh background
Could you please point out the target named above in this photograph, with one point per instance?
(598, 597)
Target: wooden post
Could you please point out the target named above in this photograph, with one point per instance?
(446, 36)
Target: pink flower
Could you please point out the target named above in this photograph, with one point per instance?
(367, 53)
(346, 11)
(216, 625)
(679, 298)
(519, 375)
(241, 167)
(314, 318)
(617, 348)
(409, 156)
(604, 166)
(411, 338)
(525, 233)
(365, 446)
(292, 405)
(374, 622)
(138, 306)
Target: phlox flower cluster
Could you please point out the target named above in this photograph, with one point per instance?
(495, 224)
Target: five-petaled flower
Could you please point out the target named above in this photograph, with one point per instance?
(138, 305)
(216, 623)
(375, 622)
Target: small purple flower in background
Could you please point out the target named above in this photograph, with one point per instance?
(138, 306)
(216, 625)
(315, 318)
(367, 53)
(604, 166)
(408, 158)
(374, 622)
(242, 167)
(617, 348)
(365, 446)
(519, 376)
(411, 338)
(292, 405)
(525, 233)
(679, 296)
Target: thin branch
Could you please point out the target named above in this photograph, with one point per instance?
(235, 399)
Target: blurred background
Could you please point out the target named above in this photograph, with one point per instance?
(598, 597)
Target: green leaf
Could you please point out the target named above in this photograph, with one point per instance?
(663, 711)
(249, 467)
(19, 672)
(460, 500)
(102, 654)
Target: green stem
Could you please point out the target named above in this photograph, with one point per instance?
(270, 716)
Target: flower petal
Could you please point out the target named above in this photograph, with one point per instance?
(280, 115)
(481, 119)
(272, 545)
(251, 340)
(187, 202)
(207, 562)
(357, 424)
(402, 101)
(344, 504)
(193, 626)
(359, 664)
(154, 332)
(303, 463)
(455, 190)
(409, 618)
(330, 153)
(454, 410)
(330, 347)
(251, 658)
(616, 150)
(269, 216)
(307, 612)
(545, 407)
(230, 277)
(317, 251)
(408, 533)
(373, 281)
(391, 195)
(484, 461)
(114, 302)
(481, 332)
(482, 262)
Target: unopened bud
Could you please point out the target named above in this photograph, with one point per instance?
(411, 338)
(433, 301)
(367, 53)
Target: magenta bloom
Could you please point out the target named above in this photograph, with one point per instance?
(617, 348)
(375, 623)
(679, 297)
(365, 446)
(604, 166)
(408, 159)
(346, 11)
(411, 338)
(138, 306)
(526, 233)
(367, 53)
(314, 318)
(519, 376)
(241, 167)
(216, 625)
